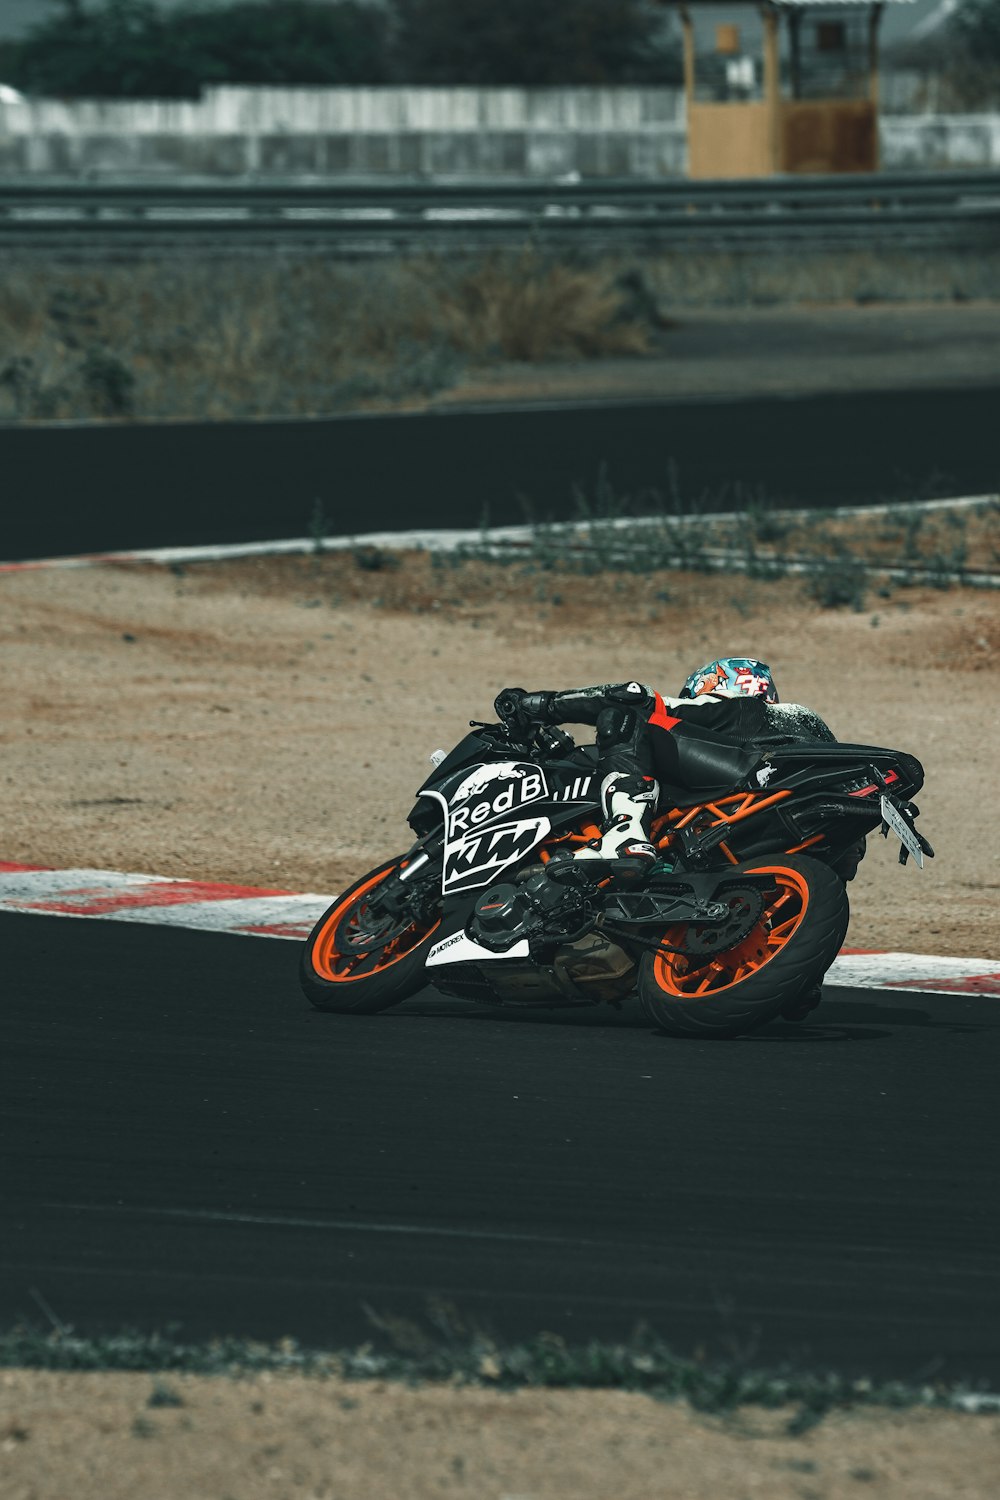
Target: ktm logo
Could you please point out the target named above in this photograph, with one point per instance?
(475, 859)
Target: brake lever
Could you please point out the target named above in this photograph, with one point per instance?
(500, 734)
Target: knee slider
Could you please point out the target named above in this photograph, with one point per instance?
(614, 727)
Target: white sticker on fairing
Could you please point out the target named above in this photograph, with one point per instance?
(477, 847)
(477, 858)
(576, 791)
(493, 791)
(460, 949)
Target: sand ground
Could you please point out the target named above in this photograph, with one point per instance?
(108, 1437)
(268, 721)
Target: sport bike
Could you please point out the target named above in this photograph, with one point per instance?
(743, 912)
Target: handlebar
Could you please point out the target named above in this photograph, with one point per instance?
(547, 737)
(516, 706)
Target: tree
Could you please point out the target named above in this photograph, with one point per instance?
(976, 28)
(961, 56)
(132, 49)
(546, 42)
(971, 55)
(109, 52)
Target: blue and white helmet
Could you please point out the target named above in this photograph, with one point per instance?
(732, 675)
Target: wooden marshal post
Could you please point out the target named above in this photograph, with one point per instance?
(792, 86)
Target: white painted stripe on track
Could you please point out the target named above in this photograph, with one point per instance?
(123, 896)
(349, 1226)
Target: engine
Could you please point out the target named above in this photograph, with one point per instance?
(572, 962)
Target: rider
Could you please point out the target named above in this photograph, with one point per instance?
(648, 743)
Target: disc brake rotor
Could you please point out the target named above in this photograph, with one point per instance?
(745, 904)
(363, 929)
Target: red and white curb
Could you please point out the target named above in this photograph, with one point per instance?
(211, 907)
(915, 971)
(110, 894)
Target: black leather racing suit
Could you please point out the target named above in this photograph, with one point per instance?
(687, 744)
(683, 742)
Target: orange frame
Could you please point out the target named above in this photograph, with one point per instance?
(726, 811)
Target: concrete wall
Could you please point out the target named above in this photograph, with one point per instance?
(610, 132)
(232, 131)
(930, 141)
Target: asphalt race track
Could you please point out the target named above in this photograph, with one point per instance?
(185, 1143)
(215, 482)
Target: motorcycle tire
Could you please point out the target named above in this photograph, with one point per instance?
(796, 939)
(333, 978)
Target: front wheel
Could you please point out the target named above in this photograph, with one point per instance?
(358, 961)
(794, 942)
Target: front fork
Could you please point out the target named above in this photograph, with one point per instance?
(408, 893)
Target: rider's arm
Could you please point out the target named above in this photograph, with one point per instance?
(579, 705)
(735, 717)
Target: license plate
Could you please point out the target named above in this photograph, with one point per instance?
(902, 830)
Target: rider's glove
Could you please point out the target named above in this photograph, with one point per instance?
(521, 709)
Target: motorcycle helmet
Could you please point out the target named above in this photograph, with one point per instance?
(731, 675)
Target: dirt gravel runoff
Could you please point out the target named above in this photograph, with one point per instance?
(268, 721)
(118, 1437)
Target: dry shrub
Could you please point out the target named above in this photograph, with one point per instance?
(245, 338)
(22, 314)
(531, 307)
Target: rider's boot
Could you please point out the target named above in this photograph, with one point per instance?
(625, 851)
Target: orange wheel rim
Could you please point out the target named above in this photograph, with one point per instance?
(334, 959)
(786, 903)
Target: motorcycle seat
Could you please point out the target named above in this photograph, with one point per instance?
(707, 769)
(909, 773)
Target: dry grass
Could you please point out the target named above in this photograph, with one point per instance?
(526, 309)
(245, 337)
(221, 339)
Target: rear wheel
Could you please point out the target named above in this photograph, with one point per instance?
(358, 960)
(796, 938)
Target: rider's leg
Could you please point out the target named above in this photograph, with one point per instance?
(629, 802)
(629, 795)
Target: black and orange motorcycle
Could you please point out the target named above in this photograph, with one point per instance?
(742, 915)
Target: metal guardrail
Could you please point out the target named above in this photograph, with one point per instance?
(810, 206)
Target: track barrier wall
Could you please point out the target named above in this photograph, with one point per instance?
(600, 132)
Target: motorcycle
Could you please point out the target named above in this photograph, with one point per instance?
(742, 914)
